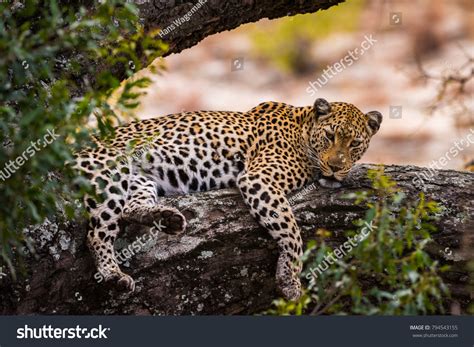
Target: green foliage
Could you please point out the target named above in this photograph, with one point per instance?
(382, 268)
(48, 49)
(291, 37)
(470, 269)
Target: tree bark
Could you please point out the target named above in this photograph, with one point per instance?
(213, 16)
(224, 263)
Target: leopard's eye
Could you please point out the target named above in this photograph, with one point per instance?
(330, 136)
(355, 143)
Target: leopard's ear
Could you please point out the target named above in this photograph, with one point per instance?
(374, 119)
(322, 108)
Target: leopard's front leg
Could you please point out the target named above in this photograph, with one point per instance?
(269, 206)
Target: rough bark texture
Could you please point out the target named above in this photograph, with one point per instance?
(213, 16)
(224, 263)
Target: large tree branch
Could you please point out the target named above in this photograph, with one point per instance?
(224, 263)
(183, 27)
(215, 16)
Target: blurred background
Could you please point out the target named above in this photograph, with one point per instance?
(418, 73)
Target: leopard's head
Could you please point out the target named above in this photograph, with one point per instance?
(340, 136)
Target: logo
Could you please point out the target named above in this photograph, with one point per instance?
(395, 112)
(395, 18)
(237, 64)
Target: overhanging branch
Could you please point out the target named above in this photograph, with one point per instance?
(213, 16)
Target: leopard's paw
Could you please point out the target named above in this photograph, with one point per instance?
(118, 279)
(126, 282)
(329, 183)
(291, 291)
(170, 221)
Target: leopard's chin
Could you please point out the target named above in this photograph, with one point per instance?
(338, 178)
(334, 176)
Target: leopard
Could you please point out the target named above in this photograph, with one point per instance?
(266, 153)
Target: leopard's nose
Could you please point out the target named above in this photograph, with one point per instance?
(336, 163)
(336, 167)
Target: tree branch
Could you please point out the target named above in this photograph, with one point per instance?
(224, 263)
(215, 16)
(183, 27)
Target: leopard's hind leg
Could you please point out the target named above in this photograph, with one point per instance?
(133, 199)
(127, 196)
(104, 227)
